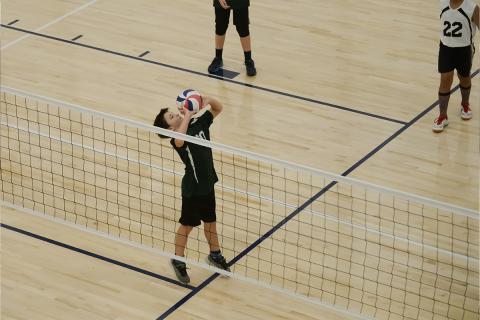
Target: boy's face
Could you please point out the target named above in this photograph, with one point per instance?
(173, 119)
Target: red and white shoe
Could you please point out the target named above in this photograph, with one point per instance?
(440, 123)
(466, 112)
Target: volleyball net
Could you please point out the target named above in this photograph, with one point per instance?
(361, 247)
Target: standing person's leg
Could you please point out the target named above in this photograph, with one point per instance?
(463, 71)
(219, 42)
(465, 87)
(246, 45)
(441, 122)
(446, 80)
(446, 69)
(222, 18)
(241, 20)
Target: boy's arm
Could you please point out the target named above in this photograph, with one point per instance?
(216, 106)
(187, 115)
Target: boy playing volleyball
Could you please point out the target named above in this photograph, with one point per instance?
(198, 193)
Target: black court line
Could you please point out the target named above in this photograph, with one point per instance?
(191, 294)
(399, 131)
(144, 54)
(97, 256)
(294, 96)
(226, 73)
(77, 37)
(13, 22)
(303, 206)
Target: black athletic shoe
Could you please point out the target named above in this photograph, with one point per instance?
(180, 270)
(250, 66)
(217, 260)
(215, 66)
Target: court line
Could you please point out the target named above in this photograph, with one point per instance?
(49, 24)
(97, 256)
(77, 37)
(399, 131)
(303, 206)
(286, 94)
(144, 54)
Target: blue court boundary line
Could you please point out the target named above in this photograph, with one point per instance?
(294, 96)
(303, 206)
(97, 256)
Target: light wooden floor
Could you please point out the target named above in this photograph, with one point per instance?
(378, 57)
(366, 60)
(63, 284)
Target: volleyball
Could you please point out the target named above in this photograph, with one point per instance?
(189, 99)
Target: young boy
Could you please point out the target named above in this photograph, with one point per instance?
(198, 192)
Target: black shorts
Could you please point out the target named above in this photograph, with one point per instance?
(459, 58)
(240, 17)
(198, 208)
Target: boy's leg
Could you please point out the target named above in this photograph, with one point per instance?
(247, 52)
(180, 267)
(188, 220)
(219, 42)
(215, 257)
(464, 67)
(465, 86)
(209, 217)
(446, 80)
(241, 20)
(210, 230)
(465, 56)
(441, 121)
(222, 17)
(246, 45)
(181, 238)
(446, 67)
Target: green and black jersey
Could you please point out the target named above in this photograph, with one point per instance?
(234, 4)
(200, 176)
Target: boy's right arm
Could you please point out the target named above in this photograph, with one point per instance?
(187, 115)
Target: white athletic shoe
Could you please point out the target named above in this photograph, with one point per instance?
(440, 123)
(466, 112)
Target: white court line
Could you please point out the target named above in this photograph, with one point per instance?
(48, 24)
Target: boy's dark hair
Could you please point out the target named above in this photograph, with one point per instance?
(161, 122)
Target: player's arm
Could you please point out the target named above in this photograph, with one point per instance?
(187, 115)
(215, 105)
(475, 17)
